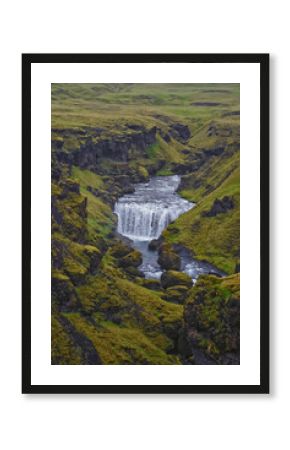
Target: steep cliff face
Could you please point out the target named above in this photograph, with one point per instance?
(120, 148)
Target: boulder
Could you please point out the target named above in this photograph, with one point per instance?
(174, 278)
(120, 249)
(134, 272)
(168, 259)
(133, 259)
(155, 243)
(176, 294)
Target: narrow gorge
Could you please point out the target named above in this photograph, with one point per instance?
(145, 224)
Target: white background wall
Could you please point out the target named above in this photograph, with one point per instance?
(142, 422)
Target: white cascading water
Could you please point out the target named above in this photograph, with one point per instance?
(143, 215)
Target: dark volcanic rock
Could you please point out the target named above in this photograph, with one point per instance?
(118, 148)
(220, 207)
(179, 132)
(168, 259)
(155, 243)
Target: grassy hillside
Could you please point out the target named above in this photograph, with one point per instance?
(213, 237)
(105, 138)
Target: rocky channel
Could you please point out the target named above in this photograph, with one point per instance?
(144, 214)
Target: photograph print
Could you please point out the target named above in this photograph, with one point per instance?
(145, 224)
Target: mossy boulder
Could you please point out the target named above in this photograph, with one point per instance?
(120, 249)
(174, 278)
(152, 284)
(176, 294)
(133, 259)
(134, 272)
(168, 259)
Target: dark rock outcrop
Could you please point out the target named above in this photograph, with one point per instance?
(220, 207)
(118, 148)
(211, 333)
(179, 132)
(63, 293)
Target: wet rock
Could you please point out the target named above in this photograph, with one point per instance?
(155, 243)
(168, 259)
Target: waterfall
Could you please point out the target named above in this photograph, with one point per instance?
(143, 215)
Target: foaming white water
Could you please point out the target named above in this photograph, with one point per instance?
(143, 215)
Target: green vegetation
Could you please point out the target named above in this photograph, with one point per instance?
(105, 137)
(212, 321)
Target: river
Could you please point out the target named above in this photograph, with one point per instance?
(144, 214)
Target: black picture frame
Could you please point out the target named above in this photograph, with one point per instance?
(27, 61)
